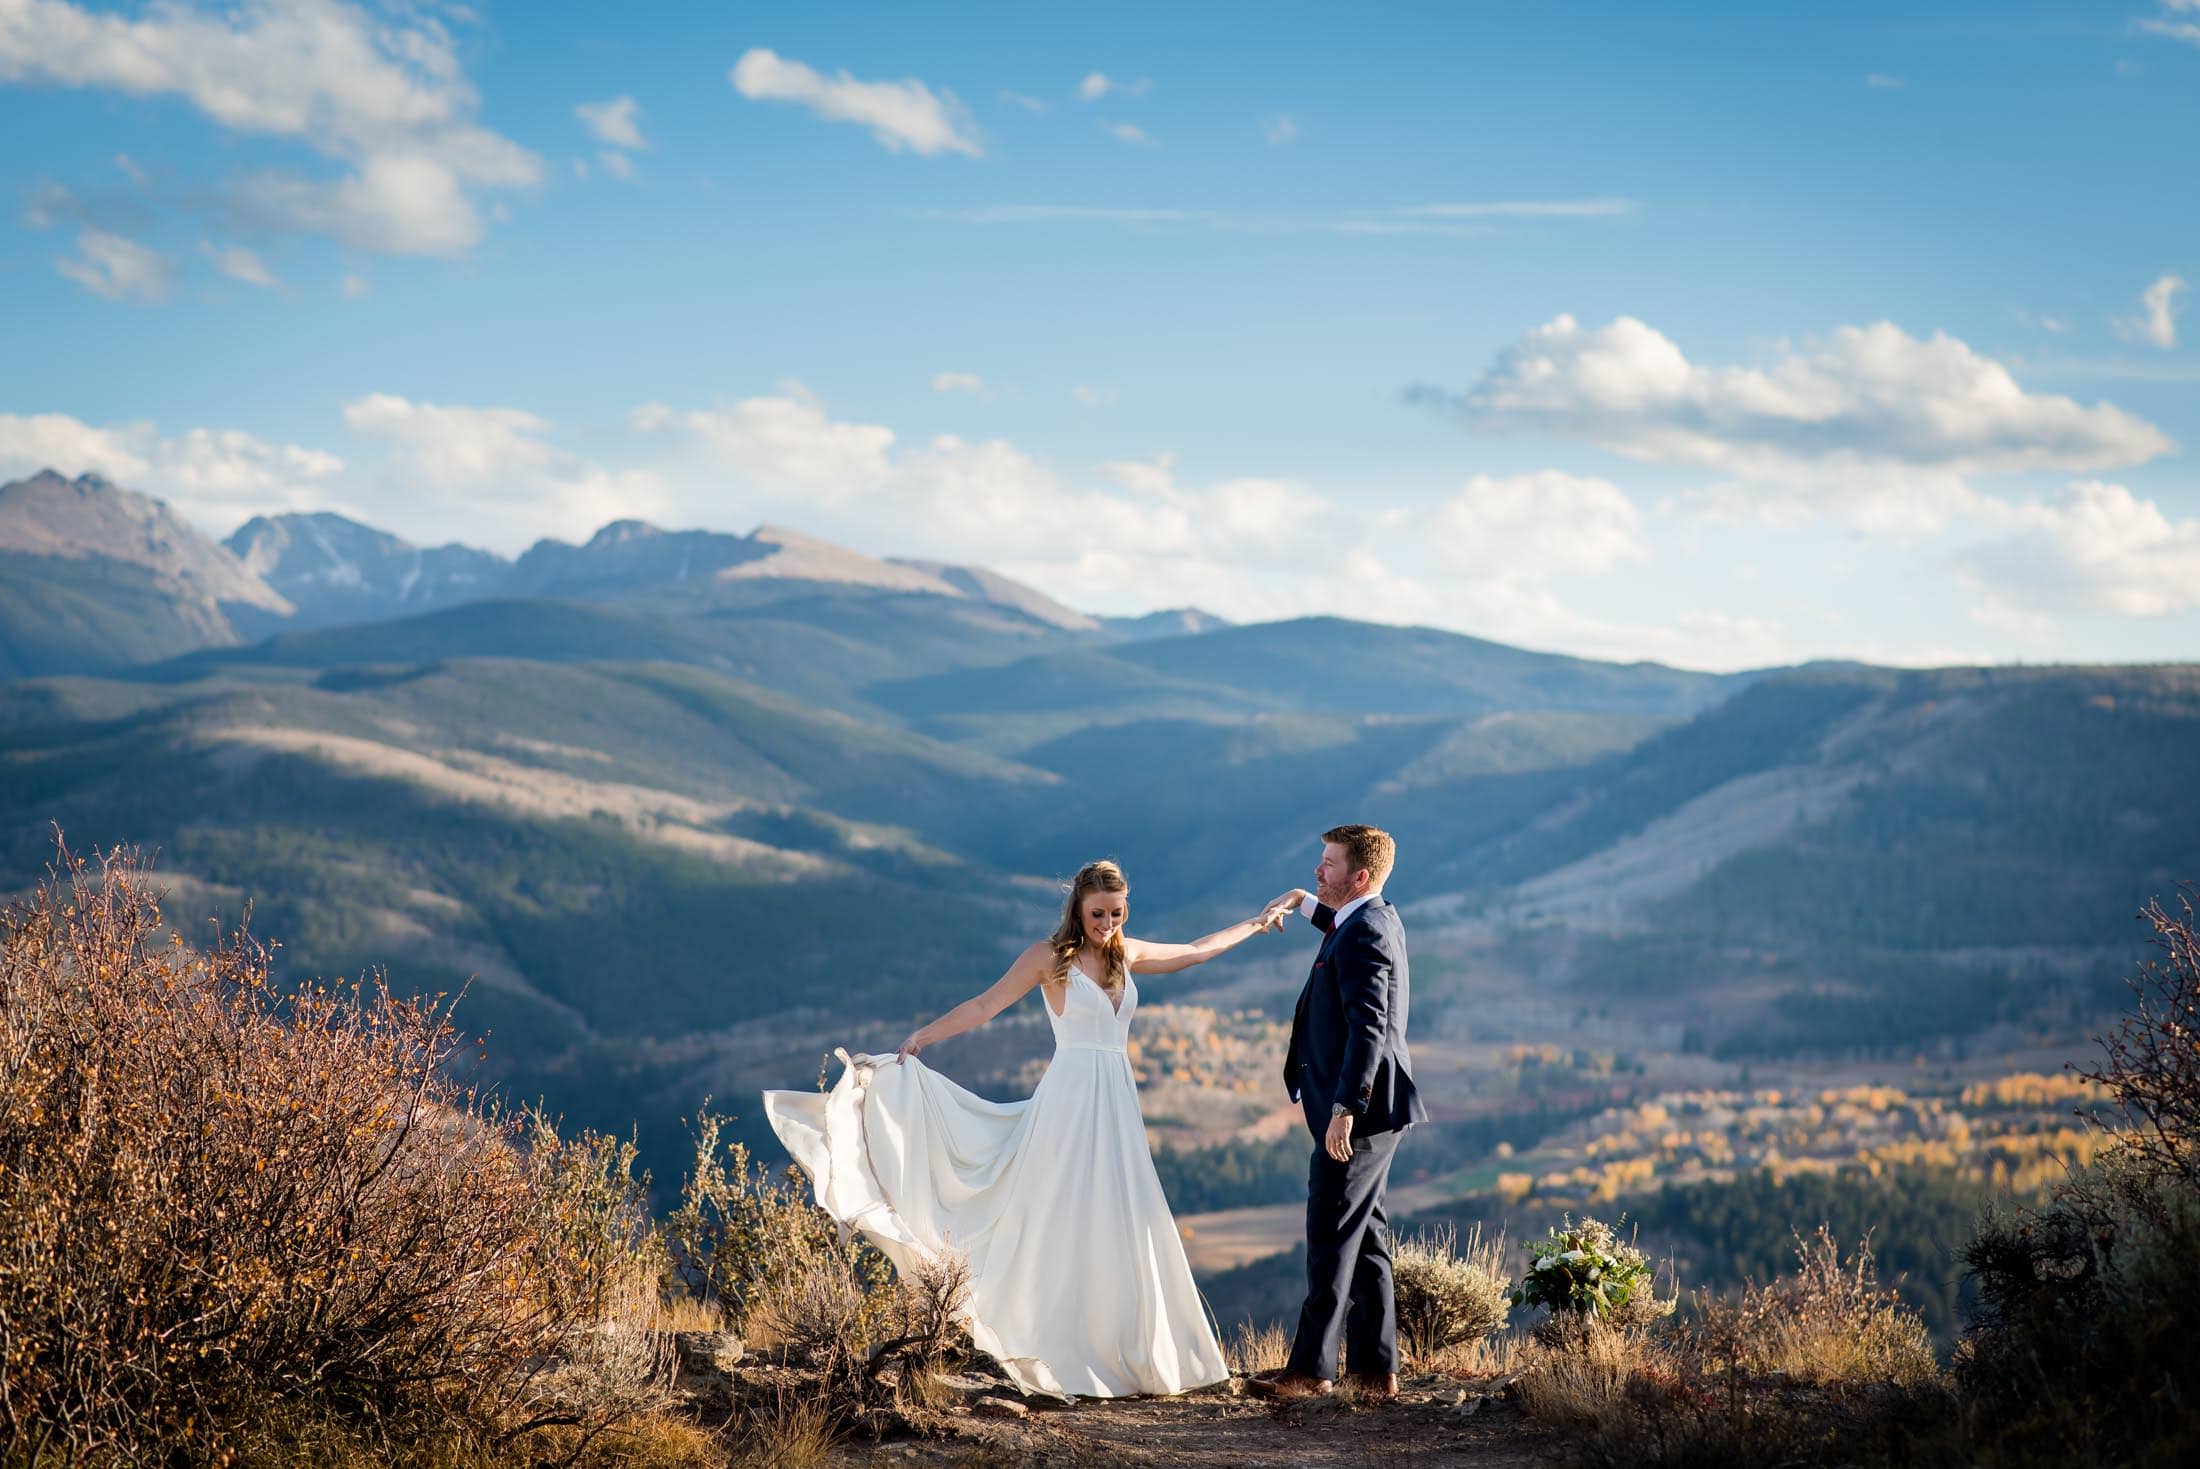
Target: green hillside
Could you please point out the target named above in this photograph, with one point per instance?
(678, 851)
(61, 614)
(1312, 665)
(626, 855)
(822, 648)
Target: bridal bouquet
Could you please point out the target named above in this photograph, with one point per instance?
(1584, 1269)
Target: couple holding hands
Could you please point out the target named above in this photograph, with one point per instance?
(1078, 1280)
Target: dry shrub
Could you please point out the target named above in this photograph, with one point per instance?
(682, 1312)
(813, 1313)
(1583, 1382)
(598, 1246)
(1628, 1396)
(927, 1329)
(1448, 1297)
(741, 1238)
(1254, 1349)
(2081, 1350)
(1818, 1367)
(2151, 1062)
(1830, 1322)
(214, 1195)
(795, 1432)
(1490, 1356)
(778, 1269)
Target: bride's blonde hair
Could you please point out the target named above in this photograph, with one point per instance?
(1069, 935)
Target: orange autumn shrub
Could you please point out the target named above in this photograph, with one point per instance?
(214, 1195)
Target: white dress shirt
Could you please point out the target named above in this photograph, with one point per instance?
(1309, 903)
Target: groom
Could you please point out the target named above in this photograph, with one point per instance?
(1348, 1070)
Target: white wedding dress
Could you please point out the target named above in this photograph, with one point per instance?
(1078, 1281)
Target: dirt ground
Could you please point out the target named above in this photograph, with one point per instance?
(1435, 1420)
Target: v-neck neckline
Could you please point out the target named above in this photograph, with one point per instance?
(1116, 1004)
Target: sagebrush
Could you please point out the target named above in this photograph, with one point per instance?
(217, 1194)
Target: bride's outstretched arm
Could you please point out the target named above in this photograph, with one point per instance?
(1148, 957)
(1029, 967)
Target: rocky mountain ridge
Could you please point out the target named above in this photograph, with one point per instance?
(96, 577)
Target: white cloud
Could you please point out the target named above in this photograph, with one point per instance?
(395, 204)
(1077, 214)
(1453, 219)
(111, 266)
(1028, 104)
(1129, 132)
(240, 264)
(1248, 546)
(1529, 614)
(225, 475)
(960, 382)
(1279, 129)
(1880, 81)
(1155, 476)
(901, 115)
(455, 447)
(2095, 548)
(618, 165)
(1089, 395)
(1879, 425)
(383, 94)
(1521, 209)
(2176, 30)
(783, 441)
(614, 122)
(1482, 560)
(988, 501)
(214, 477)
(500, 480)
(2159, 309)
(1531, 527)
(1099, 84)
(35, 441)
(355, 286)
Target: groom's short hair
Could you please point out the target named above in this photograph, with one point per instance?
(1365, 846)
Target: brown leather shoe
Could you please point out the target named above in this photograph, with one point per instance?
(1287, 1386)
(1373, 1387)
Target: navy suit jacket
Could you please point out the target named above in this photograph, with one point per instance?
(1348, 1037)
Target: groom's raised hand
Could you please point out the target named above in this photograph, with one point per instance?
(1281, 907)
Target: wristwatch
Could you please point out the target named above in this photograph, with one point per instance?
(1338, 1109)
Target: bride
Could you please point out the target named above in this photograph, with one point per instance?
(1078, 1282)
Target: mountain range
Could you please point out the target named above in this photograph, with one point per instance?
(686, 807)
(94, 577)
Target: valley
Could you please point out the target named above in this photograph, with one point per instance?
(683, 812)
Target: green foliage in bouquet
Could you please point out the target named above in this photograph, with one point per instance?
(1585, 1269)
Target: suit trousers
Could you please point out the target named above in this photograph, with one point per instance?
(1348, 1288)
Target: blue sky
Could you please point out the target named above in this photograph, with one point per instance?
(1720, 334)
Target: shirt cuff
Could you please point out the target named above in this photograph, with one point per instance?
(1307, 905)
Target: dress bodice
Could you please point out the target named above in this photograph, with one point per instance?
(1088, 1017)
